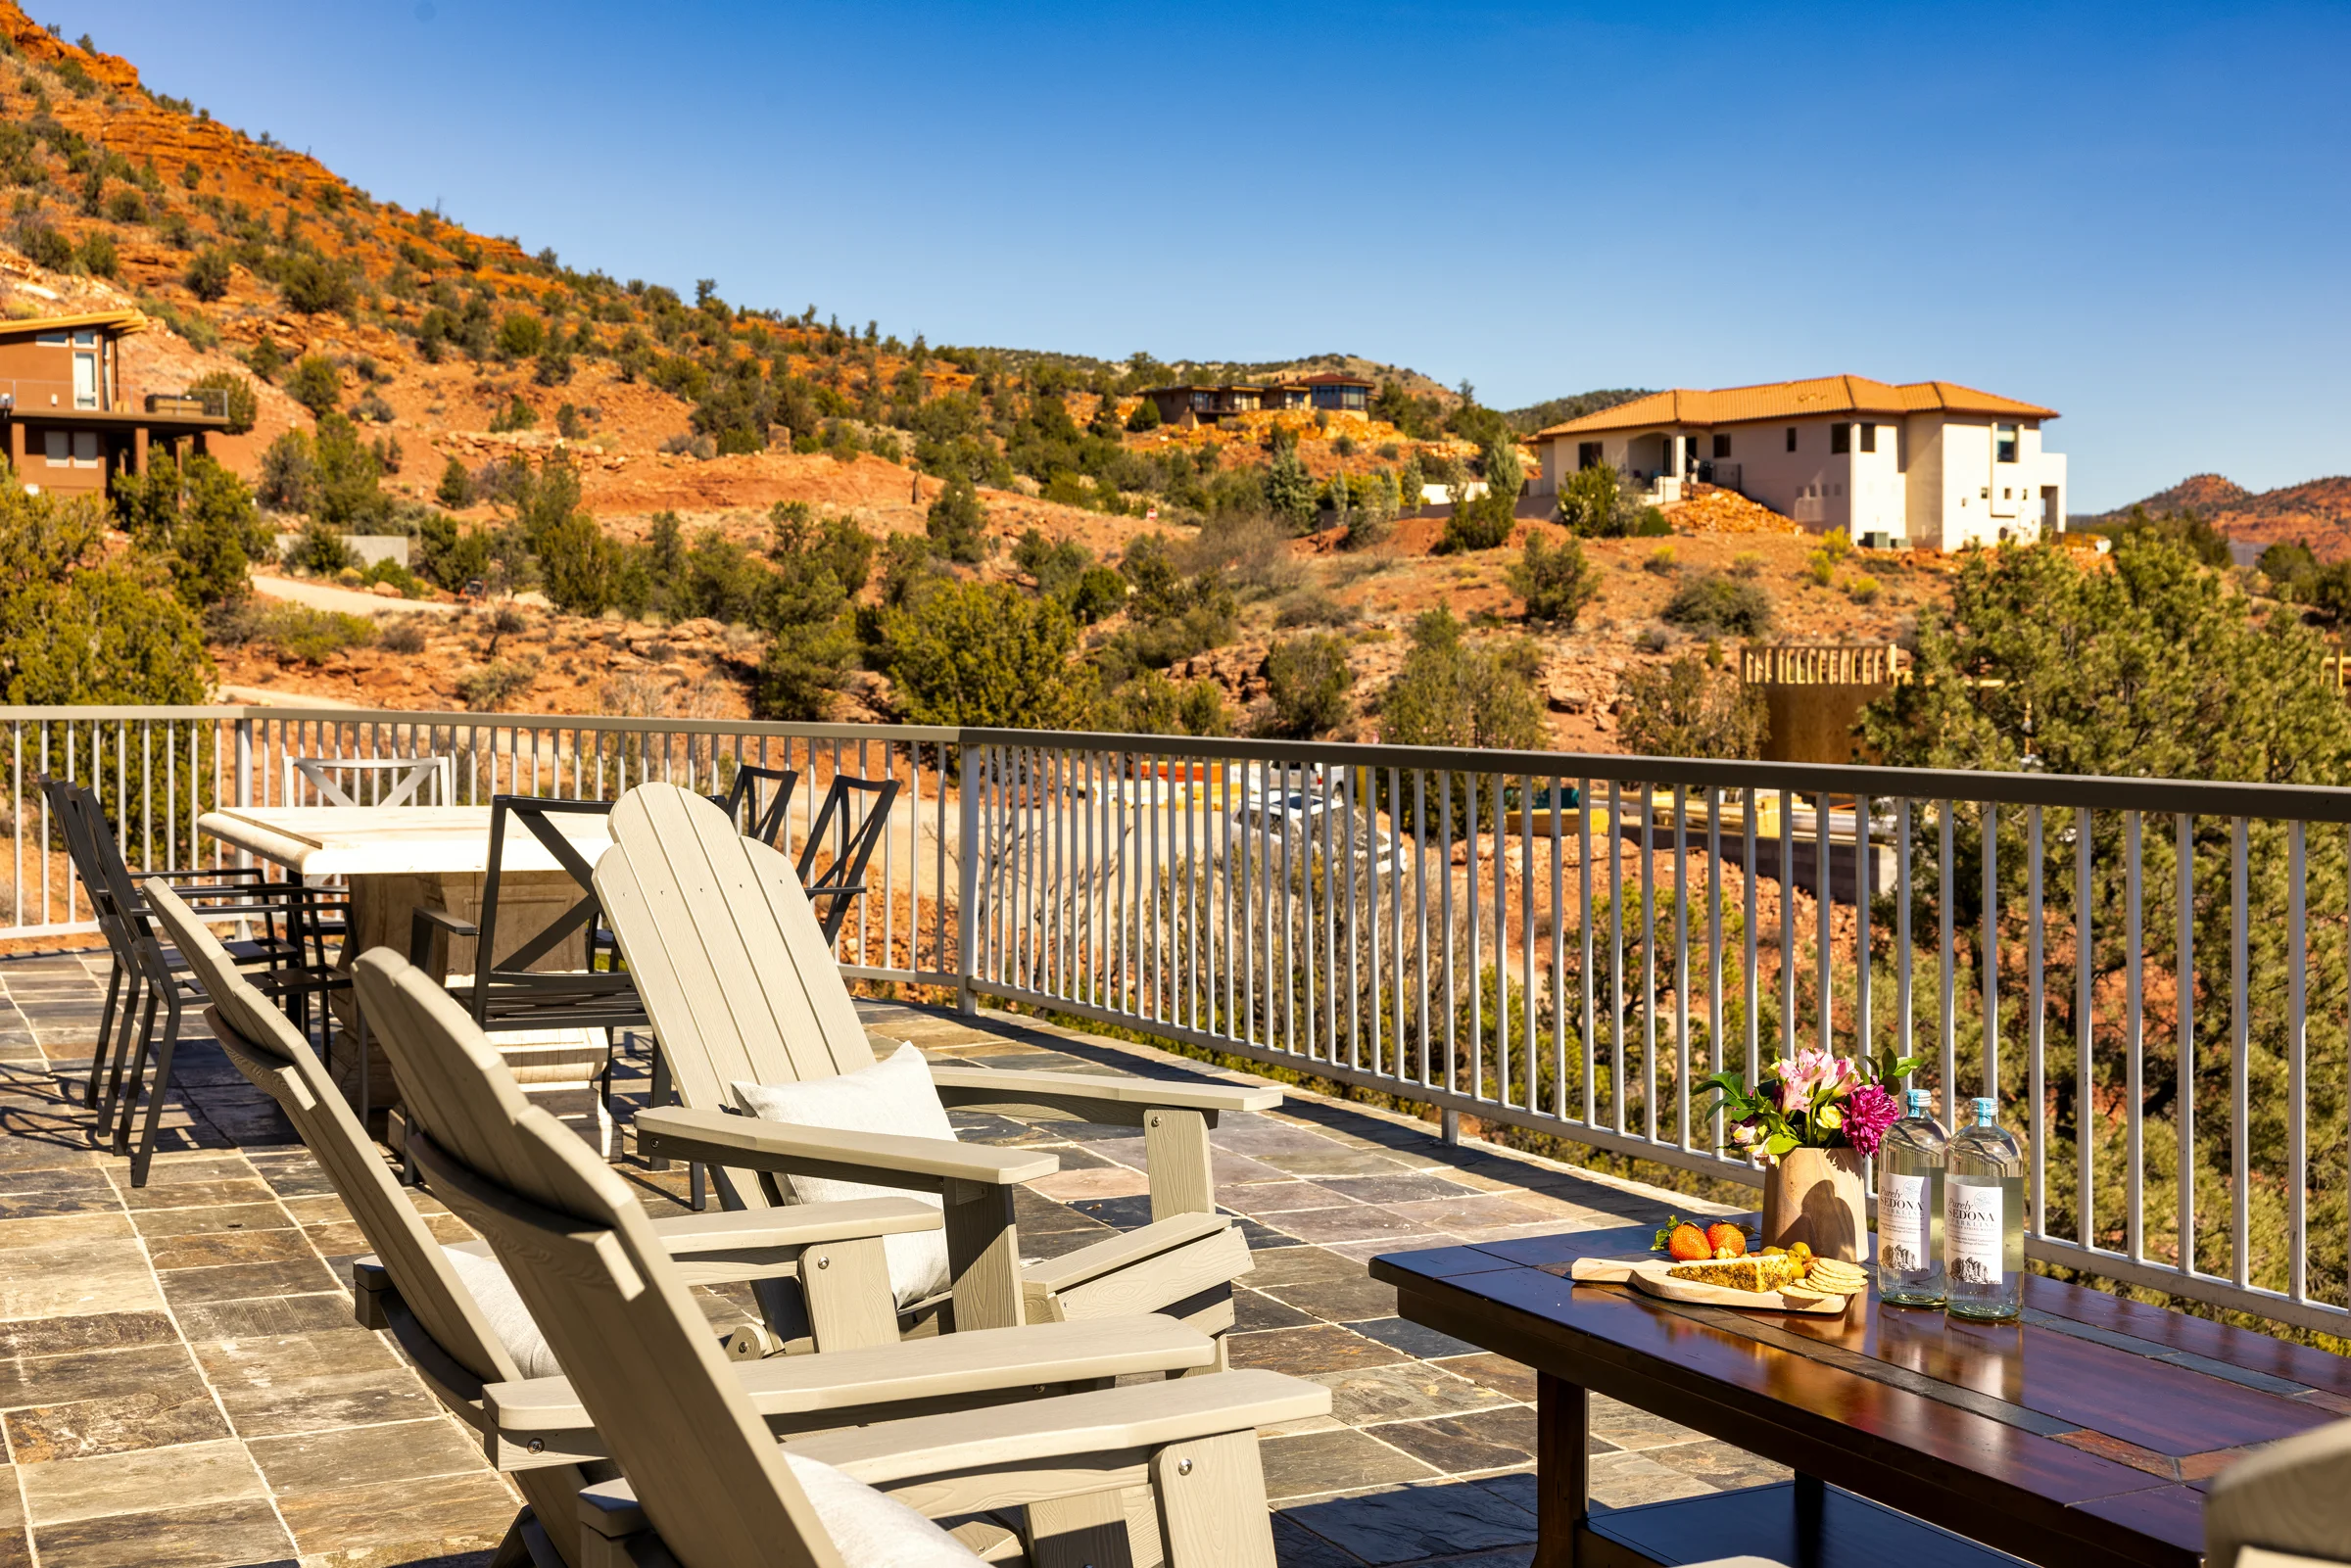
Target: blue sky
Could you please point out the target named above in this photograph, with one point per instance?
(2138, 215)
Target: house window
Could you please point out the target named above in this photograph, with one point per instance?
(2003, 444)
(1722, 446)
(1791, 438)
(53, 340)
(1841, 437)
(1869, 438)
(1587, 454)
(56, 448)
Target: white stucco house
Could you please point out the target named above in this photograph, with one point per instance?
(1931, 463)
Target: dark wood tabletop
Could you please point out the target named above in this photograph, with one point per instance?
(2079, 1437)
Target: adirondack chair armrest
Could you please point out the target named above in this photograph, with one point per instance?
(980, 1366)
(1124, 1251)
(422, 923)
(973, 1460)
(924, 1454)
(797, 1225)
(886, 1160)
(1093, 1096)
(2285, 1497)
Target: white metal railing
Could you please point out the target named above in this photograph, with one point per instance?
(2151, 976)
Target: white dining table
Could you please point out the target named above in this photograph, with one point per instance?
(397, 859)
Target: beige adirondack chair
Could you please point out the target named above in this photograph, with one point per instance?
(742, 988)
(704, 1475)
(460, 1342)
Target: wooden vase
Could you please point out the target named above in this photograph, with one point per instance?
(1816, 1196)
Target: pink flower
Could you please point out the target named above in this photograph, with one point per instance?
(1868, 1112)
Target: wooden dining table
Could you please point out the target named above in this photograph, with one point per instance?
(398, 859)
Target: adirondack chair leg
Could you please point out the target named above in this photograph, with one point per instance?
(154, 1096)
(984, 1249)
(106, 1033)
(1086, 1530)
(1212, 1502)
(359, 1032)
(847, 1287)
(1176, 1150)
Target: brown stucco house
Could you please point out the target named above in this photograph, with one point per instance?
(70, 428)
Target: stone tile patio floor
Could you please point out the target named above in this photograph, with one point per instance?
(182, 1382)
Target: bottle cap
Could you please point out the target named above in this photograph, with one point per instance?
(1919, 1101)
(1987, 1111)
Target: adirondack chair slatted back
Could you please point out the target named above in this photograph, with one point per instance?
(586, 1263)
(766, 821)
(372, 780)
(734, 972)
(268, 1049)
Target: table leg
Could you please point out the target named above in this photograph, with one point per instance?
(1811, 1500)
(1562, 1468)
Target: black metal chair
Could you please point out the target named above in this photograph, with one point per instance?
(766, 819)
(153, 973)
(843, 882)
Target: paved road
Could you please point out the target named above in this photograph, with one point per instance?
(351, 602)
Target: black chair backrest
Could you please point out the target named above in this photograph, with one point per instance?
(80, 819)
(535, 813)
(766, 822)
(853, 845)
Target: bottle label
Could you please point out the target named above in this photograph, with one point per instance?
(1972, 1235)
(1902, 1222)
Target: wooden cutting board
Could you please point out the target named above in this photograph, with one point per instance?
(1608, 1270)
(1651, 1275)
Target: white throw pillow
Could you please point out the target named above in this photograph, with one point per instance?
(868, 1527)
(484, 1279)
(894, 1096)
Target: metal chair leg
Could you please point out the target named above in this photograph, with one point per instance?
(124, 1091)
(114, 1051)
(105, 1034)
(155, 1095)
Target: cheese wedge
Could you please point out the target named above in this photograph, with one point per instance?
(1754, 1273)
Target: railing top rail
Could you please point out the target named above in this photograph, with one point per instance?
(2195, 797)
(484, 721)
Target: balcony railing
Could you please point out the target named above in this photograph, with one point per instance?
(2149, 974)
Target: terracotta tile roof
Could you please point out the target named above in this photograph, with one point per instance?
(1789, 400)
(126, 321)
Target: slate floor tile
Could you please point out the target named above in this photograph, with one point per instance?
(208, 1535)
(1355, 1222)
(177, 1409)
(1402, 1391)
(141, 1480)
(1414, 1522)
(1412, 1338)
(1343, 1460)
(362, 1456)
(1340, 1301)
(1508, 1378)
(1253, 1311)
(1303, 1351)
(1304, 1265)
(439, 1516)
(1457, 1445)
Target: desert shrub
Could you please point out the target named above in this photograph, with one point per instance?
(1149, 703)
(289, 479)
(312, 286)
(515, 415)
(1482, 523)
(241, 402)
(956, 523)
(265, 357)
(1313, 607)
(200, 522)
(984, 654)
(488, 686)
(449, 558)
(1144, 417)
(404, 637)
(126, 206)
(321, 550)
(455, 489)
(80, 624)
(1556, 584)
(578, 563)
(1821, 567)
(1593, 503)
(99, 255)
(1307, 681)
(317, 384)
(372, 406)
(1747, 564)
(387, 570)
(207, 274)
(1862, 588)
(1289, 489)
(1720, 606)
(521, 336)
(1452, 694)
(1692, 707)
(295, 631)
(44, 246)
(1661, 562)
(1249, 550)
(569, 425)
(349, 475)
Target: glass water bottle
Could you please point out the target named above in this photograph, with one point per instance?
(1983, 1219)
(1910, 1162)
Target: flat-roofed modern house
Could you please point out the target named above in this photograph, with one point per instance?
(1928, 464)
(1205, 405)
(69, 427)
(1329, 392)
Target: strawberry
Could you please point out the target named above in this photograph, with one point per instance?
(1727, 1239)
(1682, 1241)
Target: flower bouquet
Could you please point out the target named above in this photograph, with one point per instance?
(1811, 1120)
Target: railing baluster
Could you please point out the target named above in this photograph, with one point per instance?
(2133, 1041)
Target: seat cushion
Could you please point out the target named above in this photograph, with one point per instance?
(868, 1527)
(896, 1096)
(485, 1281)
